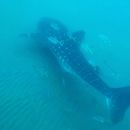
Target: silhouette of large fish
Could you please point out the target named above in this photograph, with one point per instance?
(65, 47)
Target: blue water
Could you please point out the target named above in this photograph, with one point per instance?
(33, 94)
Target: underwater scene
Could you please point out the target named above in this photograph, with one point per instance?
(64, 65)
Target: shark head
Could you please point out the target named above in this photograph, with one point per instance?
(52, 33)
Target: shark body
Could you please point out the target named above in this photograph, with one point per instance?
(65, 47)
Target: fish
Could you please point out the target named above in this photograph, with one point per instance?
(65, 46)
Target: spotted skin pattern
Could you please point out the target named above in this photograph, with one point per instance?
(66, 49)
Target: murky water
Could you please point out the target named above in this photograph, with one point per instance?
(34, 94)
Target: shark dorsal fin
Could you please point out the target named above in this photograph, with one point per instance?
(78, 36)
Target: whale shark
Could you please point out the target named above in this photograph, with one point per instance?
(65, 46)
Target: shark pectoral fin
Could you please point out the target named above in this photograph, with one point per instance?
(119, 102)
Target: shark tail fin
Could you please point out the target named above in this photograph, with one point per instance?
(118, 101)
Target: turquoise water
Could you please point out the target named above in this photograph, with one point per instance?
(33, 95)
